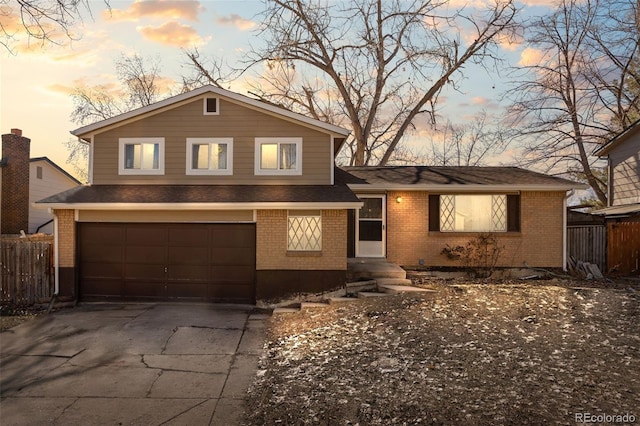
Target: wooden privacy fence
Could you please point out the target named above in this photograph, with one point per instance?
(26, 271)
(624, 247)
(588, 243)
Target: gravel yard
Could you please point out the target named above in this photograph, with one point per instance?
(535, 352)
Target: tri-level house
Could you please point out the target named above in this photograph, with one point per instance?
(214, 196)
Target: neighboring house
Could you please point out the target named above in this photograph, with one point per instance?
(46, 178)
(623, 188)
(25, 181)
(622, 213)
(211, 195)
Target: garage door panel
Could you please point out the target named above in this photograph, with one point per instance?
(103, 234)
(101, 287)
(213, 262)
(188, 273)
(146, 254)
(97, 253)
(144, 272)
(102, 270)
(188, 255)
(149, 234)
(230, 237)
(232, 256)
(197, 291)
(189, 236)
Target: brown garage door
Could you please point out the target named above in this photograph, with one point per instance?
(195, 262)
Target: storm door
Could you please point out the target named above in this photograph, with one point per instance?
(370, 232)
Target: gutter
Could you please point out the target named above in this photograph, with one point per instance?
(461, 188)
(56, 256)
(564, 229)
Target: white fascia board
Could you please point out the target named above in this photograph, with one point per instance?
(176, 100)
(204, 206)
(462, 188)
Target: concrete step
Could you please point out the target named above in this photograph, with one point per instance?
(333, 300)
(286, 310)
(399, 289)
(368, 294)
(313, 305)
(393, 281)
(357, 286)
(373, 268)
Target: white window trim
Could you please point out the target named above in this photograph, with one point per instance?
(121, 153)
(204, 105)
(219, 172)
(268, 172)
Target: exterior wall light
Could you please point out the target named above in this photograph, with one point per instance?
(398, 199)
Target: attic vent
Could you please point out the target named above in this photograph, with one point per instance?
(211, 106)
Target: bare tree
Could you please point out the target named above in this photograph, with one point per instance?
(377, 64)
(470, 144)
(139, 86)
(574, 96)
(41, 20)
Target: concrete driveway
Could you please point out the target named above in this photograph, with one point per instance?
(142, 364)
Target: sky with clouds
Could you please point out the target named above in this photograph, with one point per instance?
(36, 80)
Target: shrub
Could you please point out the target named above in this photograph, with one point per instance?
(480, 254)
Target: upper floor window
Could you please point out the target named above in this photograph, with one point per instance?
(278, 156)
(209, 156)
(211, 106)
(141, 156)
(474, 213)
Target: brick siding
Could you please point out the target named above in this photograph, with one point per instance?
(66, 237)
(538, 244)
(271, 243)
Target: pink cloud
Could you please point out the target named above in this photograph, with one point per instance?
(237, 21)
(173, 34)
(167, 9)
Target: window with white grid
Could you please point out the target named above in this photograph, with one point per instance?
(304, 231)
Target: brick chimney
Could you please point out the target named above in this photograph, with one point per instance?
(15, 183)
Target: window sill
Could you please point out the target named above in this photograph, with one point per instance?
(293, 253)
(475, 234)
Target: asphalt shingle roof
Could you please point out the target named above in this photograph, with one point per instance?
(435, 175)
(142, 194)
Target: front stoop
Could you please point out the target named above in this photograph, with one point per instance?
(399, 289)
(360, 269)
(369, 278)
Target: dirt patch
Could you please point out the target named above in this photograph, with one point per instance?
(12, 316)
(510, 353)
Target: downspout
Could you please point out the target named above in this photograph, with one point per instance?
(56, 265)
(56, 255)
(564, 229)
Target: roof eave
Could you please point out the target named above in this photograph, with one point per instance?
(463, 188)
(85, 131)
(289, 205)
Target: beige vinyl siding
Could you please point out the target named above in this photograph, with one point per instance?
(625, 164)
(234, 121)
(165, 216)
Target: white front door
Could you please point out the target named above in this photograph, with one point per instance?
(371, 227)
